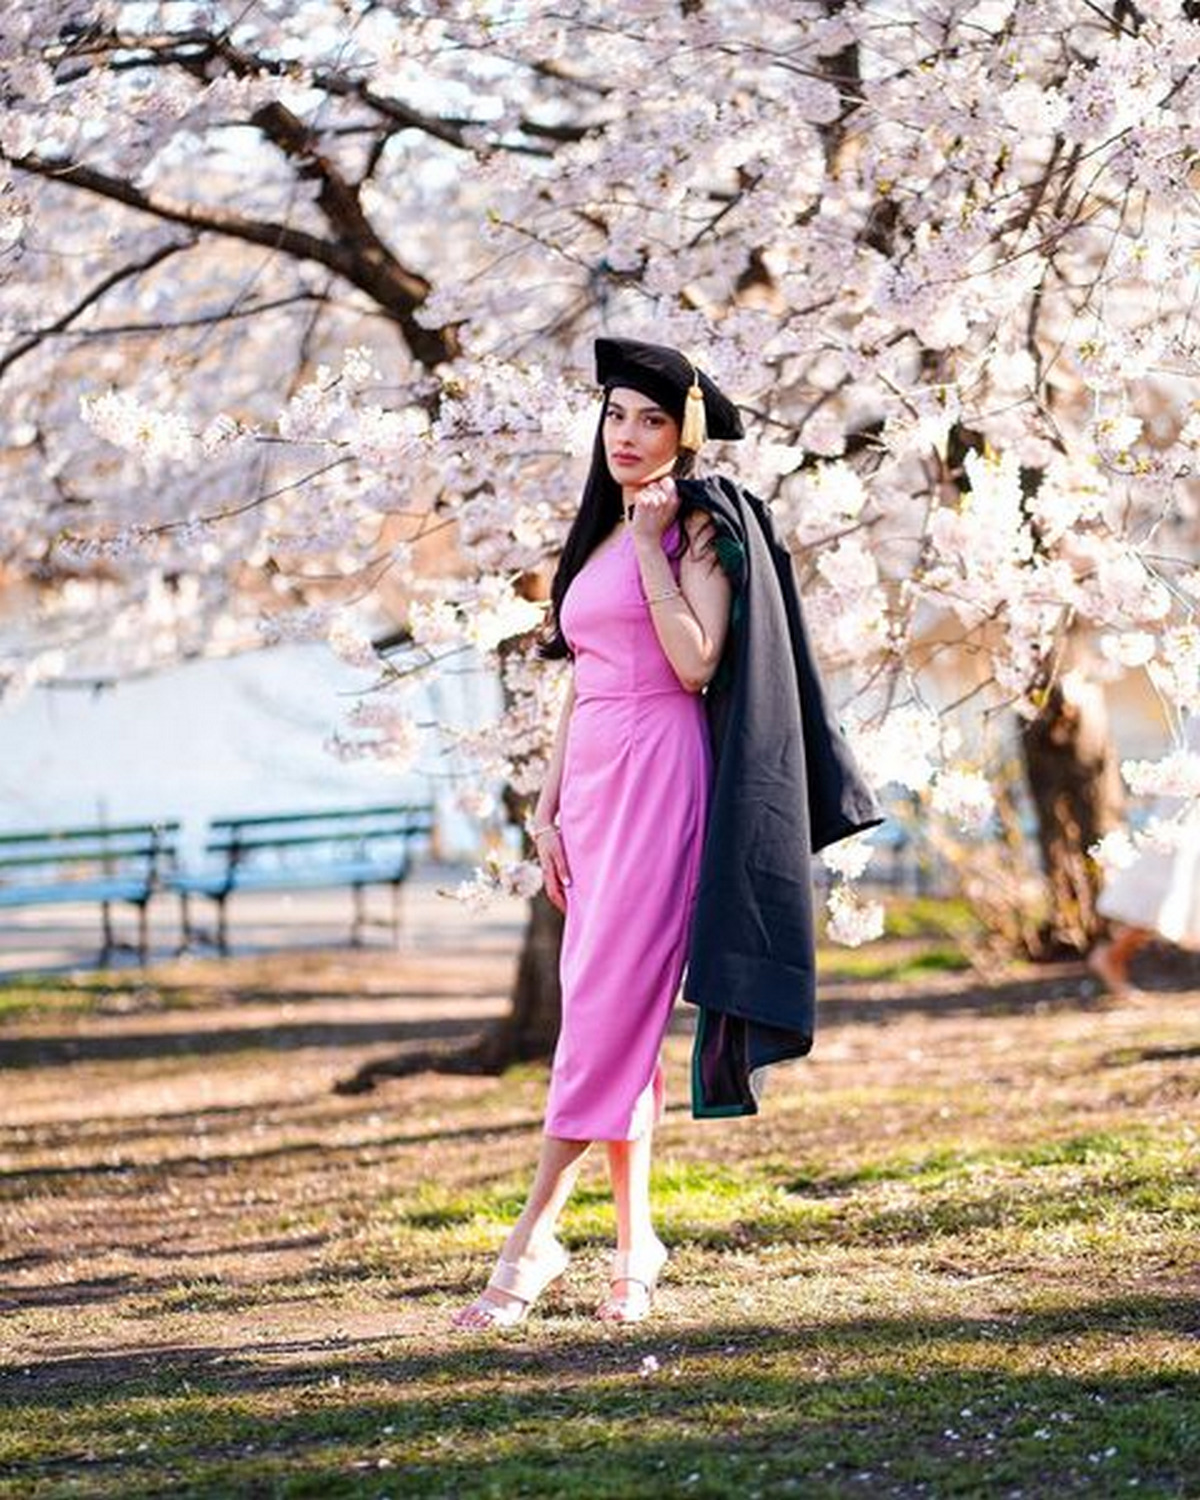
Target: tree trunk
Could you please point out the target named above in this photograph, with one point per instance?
(1076, 791)
(529, 1030)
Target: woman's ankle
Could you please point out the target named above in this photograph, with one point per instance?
(638, 1236)
(532, 1240)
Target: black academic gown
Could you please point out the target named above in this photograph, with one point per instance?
(785, 785)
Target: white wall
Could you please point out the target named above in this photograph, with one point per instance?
(210, 738)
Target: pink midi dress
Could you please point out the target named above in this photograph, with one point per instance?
(632, 808)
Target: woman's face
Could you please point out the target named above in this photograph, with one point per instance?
(641, 440)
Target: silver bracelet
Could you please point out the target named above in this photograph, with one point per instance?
(535, 830)
(658, 598)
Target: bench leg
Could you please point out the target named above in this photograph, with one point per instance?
(397, 910)
(143, 932)
(360, 918)
(110, 941)
(185, 925)
(222, 928)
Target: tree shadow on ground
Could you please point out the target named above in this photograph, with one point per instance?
(552, 1347)
(1069, 988)
(145, 992)
(88, 1291)
(1127, 1056)
(20, 1180)
(1066, 989)
(45, 1051)
(216, 1119)
(953, 1406)
(1160, 966)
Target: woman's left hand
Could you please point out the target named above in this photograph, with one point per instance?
(654, 509)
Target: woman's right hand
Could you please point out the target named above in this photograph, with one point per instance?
(553, 860)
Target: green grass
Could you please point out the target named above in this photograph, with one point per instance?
(1108, 1181)
(929, 917)
(20, 999)
(846, 963)
(825, 1353)
(29, 997)
(868, 1404)
(922, 935)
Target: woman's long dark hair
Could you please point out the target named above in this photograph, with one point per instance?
(599, 511)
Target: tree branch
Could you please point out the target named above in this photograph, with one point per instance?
(284, 237)
(195, 50)
(362, 258)
(125, 273)
(201, 320)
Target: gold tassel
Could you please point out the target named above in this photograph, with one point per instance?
(694, 430)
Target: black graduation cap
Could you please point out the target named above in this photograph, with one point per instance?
(665, 375)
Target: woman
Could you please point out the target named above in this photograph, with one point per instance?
(642, 604)
(695, 766)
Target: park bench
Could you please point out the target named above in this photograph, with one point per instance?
(355, 847)
(112, 865)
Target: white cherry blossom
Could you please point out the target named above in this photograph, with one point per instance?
(953, 294)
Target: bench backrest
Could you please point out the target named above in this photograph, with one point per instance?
(351, 830)
(58, 854)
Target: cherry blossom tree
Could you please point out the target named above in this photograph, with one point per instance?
(298, 302)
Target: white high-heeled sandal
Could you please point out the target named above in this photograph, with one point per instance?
(526, 1278)
(642, 1267)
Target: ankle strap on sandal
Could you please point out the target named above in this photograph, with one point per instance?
(642, 1266)
(529, 1276)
